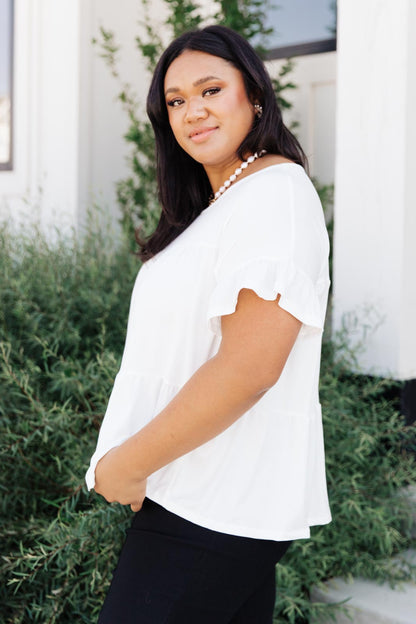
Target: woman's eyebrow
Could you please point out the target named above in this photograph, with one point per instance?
(202, 80)
(195, 84)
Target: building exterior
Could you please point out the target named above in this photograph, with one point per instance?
(354, 108)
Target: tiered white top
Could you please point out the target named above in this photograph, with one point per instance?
(263, 477)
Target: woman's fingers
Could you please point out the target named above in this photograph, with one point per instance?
(140, 494)
(136, 506)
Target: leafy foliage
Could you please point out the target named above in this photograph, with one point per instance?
(62, 328)
(369, 458)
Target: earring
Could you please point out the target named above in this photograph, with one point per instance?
(258, 110)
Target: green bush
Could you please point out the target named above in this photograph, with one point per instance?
(369, 459)
(62, 326)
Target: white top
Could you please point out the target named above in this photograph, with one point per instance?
(264, 477)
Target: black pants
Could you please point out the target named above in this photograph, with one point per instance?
(172, 571)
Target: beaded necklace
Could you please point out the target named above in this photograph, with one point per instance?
(234, 175)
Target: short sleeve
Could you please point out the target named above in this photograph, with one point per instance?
(273, 242)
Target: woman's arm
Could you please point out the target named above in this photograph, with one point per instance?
(256, 342)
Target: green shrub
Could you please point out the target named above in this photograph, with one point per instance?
(369, 458)
(62, 328)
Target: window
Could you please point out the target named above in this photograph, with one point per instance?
(6, 83)
(301, 27)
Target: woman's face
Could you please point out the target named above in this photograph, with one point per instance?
(209, 111)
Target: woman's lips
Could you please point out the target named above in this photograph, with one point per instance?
(198, 136)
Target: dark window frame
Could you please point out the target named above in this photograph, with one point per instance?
(8, 166)
(302, 49)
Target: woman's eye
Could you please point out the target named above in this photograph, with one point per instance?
(175, 102)
(212, 91)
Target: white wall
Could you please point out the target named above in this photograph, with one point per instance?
(14, 184)
(102, 119)
(69, 146)
(314, 109)
(375, 202)
(46, 61)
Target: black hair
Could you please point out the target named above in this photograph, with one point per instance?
(183, 184)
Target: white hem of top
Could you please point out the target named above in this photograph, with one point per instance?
(239, 531)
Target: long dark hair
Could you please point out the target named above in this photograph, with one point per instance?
(184, 188)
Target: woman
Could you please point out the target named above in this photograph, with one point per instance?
(215, 415)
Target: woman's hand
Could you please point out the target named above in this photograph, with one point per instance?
(115, 481)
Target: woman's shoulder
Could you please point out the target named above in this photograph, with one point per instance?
(267, 178)
(269, 160)
(269, 163)
(272, 167)
(279, 191)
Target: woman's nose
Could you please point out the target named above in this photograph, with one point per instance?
(195, 110)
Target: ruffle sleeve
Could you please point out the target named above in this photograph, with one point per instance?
(274, 243)
(268, 277)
